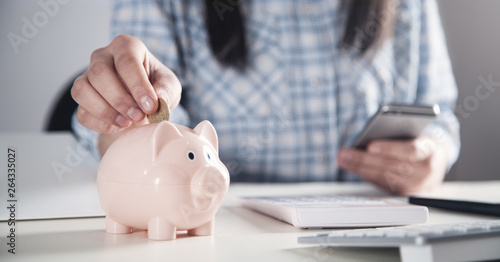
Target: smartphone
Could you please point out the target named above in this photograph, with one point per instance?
(397, 121)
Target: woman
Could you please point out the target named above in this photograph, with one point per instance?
(287, 84)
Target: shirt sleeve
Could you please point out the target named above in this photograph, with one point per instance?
(436, 83)
(154, 23)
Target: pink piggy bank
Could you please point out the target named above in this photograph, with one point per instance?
(163, 177)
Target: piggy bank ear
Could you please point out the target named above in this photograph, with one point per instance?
(163, 134)
(206, 130)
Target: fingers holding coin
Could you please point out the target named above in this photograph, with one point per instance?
(162, 114)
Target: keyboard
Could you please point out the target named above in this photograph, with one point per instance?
(472, 241)
(336, 211)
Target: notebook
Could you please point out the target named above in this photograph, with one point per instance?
(53, 176)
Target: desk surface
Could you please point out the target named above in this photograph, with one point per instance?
(240, 234)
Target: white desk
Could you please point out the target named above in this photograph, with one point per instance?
(240, 234)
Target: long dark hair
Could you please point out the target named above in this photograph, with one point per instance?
(366, 26)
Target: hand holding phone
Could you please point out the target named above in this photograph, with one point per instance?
(392, 153)
(397, 121)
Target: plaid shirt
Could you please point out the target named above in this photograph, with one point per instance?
(301, 98)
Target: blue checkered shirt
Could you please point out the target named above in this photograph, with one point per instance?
(301, 98)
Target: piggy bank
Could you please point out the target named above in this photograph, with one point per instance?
(163, 177)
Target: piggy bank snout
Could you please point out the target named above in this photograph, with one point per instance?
(206, 185)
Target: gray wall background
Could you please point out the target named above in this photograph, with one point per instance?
(31, 78)
(473, 37)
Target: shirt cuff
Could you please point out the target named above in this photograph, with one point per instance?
(88, 138)
(446, 137)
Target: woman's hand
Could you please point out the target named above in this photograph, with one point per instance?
(122, 85)
(402, 167)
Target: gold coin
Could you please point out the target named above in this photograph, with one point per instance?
(162, 114)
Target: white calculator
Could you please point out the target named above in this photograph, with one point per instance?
(337, 211)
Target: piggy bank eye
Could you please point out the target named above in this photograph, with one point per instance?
(191, 156)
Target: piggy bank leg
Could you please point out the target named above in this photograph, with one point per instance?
(206, 229)
(161, 229)
(116, 228)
